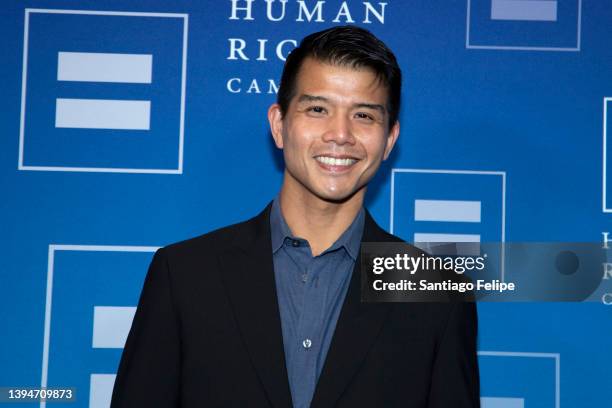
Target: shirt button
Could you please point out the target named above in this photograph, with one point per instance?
(304, 278)
(307, 344)
(295, 243)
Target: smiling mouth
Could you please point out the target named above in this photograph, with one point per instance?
(336, 161)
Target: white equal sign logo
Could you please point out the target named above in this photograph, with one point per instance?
(491, 402)
(111, 326)
(448, 211)
(103, 113)
(524, 10)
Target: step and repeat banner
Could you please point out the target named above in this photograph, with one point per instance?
(126, 126)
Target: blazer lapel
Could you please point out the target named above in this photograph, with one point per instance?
(357, 327)
(248, 272)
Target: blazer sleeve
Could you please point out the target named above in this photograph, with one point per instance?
(455, 379)
(149, 371)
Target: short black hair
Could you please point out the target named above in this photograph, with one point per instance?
(346, 46)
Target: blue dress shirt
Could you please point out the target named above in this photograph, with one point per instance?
(311, 291)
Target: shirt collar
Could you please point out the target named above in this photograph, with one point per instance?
(350, 238)
(278, 226)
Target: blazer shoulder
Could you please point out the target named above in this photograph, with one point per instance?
(392, 238)
(218, 240)
(374, 233)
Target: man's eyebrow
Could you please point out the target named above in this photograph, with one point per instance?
(316, 98)
(311, 98)
(374, 106)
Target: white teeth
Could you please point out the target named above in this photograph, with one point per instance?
(332, 161)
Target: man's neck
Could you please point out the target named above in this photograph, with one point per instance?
(318, 221)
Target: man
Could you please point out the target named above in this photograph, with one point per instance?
(267, 313)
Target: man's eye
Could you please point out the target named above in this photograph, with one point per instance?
(316, 109)
(364, 116)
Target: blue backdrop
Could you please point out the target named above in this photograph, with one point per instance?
(130, 125)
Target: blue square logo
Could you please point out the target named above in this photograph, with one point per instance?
(518, 379)
(103, 91)
(448, 205)
(92, 293)
(607, 173)
(531, 25)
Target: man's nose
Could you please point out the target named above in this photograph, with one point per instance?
(339, 131)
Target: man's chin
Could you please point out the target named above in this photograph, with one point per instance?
(338, 197)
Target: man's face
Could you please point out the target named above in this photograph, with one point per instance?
(335, 132)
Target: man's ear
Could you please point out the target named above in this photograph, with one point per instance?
(391, 139)
(275, 118)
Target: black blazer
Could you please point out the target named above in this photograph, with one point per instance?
(207, 333)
